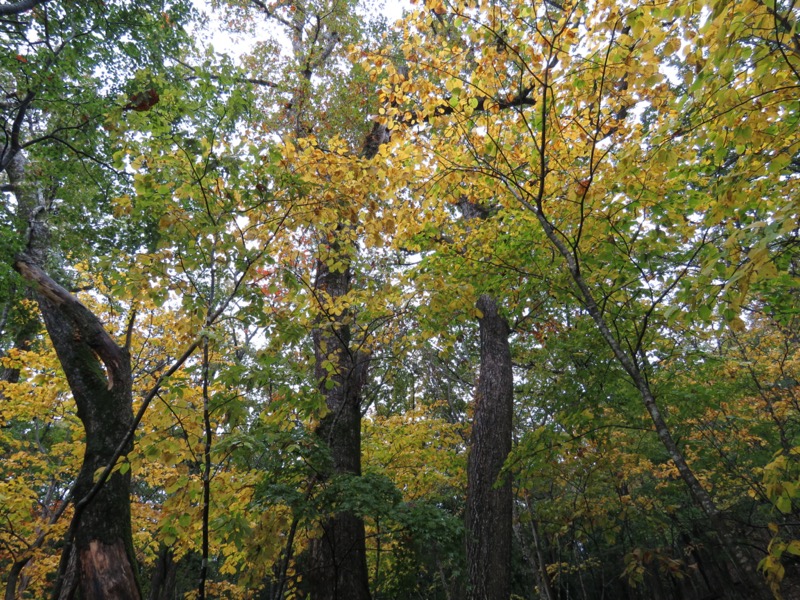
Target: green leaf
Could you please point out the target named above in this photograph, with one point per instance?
(704, 312)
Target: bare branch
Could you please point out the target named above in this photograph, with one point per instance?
(251, 80)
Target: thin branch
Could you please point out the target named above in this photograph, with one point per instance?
(271, 14)
(129, 330)
(251, 80)
(201, 589)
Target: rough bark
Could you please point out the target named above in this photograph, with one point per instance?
(98, 560)
(335, 565)
(489, 496)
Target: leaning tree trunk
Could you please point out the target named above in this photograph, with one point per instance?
(335, 565)
(489, 497)
(755, 584)
(98, 560)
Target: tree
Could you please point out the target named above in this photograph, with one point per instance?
(284, 304)
(319, 124)
(572, 175)
(489, 500)
(46, 85)
(98, 558)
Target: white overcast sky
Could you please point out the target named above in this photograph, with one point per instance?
(227, 43)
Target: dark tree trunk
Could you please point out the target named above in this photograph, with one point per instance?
(489, 499)
(162, 583)
(335, 565)
(98, 560)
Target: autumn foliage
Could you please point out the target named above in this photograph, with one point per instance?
(293, 245)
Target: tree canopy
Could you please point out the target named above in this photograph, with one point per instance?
(362, 309)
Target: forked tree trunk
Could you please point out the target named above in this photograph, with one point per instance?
(98, 561)
(335, 567)
(489, 495)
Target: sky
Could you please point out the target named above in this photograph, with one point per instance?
(237, 45)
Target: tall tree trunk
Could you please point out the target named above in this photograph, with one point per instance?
(336, 564)
(489, 496)
(98, 560)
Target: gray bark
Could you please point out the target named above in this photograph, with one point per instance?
(489, 494)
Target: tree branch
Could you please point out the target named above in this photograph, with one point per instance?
(11, 149)
(87, 325)
(18, 8)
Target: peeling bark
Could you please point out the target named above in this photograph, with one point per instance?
(108, 569)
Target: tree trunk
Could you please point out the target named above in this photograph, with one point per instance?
(162, 583)
(489, 497)
(98, 559)
(546, 589)
(336, 564)
(31, 214)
